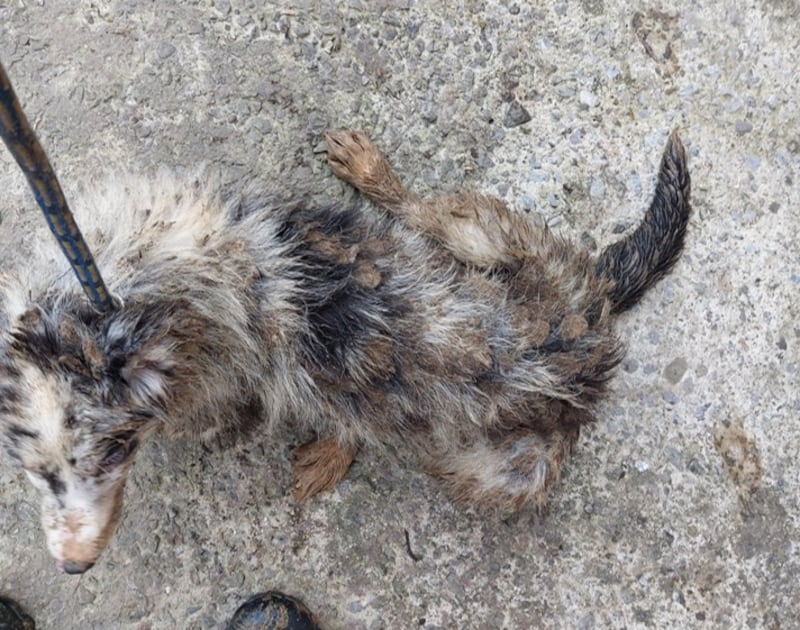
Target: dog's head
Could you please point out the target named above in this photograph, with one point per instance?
(78, 393)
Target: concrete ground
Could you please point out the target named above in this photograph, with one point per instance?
(680, 508)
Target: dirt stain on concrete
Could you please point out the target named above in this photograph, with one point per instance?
(657, 31)
(740, 457)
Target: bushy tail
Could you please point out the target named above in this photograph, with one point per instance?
(640, 260)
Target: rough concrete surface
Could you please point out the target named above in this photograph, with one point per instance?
(680, 508)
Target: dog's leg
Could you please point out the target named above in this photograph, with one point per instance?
(320, 465)
(505, 474)
(476, 228)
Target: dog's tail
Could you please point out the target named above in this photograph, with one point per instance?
(637, 262)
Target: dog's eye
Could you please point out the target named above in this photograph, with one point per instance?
(116, 453)
(114, 456)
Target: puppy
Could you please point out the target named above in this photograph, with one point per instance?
(464, 330)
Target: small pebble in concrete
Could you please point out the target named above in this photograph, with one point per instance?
(670, 397)
(675, 370)
(165, 50)
(355, 607)
(576, 136)
(223, 6)
(630, 365)
(597, 188)
(752, 162)
(588, 99)
(527, 202)
(516, 115)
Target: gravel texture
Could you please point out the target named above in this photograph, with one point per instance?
(681, 507)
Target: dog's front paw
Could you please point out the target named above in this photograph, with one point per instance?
(319, 466)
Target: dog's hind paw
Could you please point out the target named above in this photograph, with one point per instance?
(353, 158)
(351, 155)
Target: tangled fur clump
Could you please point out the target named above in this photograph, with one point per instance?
(453, 324)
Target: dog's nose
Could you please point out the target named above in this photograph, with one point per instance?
(73, 567)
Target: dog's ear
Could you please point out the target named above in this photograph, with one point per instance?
(148, 369)
(151, 350)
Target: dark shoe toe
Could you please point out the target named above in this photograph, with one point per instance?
(273, 611)
(12, 617)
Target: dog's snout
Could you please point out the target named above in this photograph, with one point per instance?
(74, 567)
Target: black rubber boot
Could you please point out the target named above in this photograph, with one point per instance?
(273, 611)
(12, 617)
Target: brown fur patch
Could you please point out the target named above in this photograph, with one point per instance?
(319, 466)
(574, 327)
